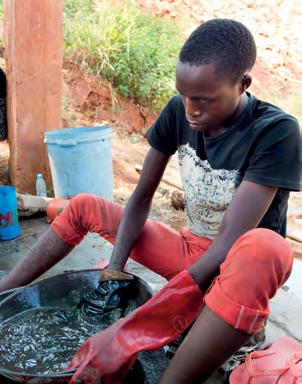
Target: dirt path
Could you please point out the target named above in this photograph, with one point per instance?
(275, 24)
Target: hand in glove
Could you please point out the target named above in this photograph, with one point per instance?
(112, 292)
(109, 354)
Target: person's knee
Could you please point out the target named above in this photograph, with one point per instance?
(83, 200)
(268, 252)
(74, 222)
(259, 262)
(265, 239)
(256, 266)
(81, 207)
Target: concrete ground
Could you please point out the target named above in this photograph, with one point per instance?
(286, 307)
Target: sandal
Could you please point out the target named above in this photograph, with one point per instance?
(294, 374)
(276, 364)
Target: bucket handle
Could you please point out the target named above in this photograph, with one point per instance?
(66, 143)
(72, 143)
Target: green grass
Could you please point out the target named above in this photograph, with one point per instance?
(135, 52)
(73, 7)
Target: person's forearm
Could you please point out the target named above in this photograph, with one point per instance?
(243, 214)
(135, 216)
(209, 343)
(207, 268)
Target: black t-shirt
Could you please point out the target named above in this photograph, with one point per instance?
(262, 146)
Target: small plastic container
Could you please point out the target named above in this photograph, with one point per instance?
(40, 186)
(9, 223)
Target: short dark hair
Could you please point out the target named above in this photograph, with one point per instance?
(226, 43)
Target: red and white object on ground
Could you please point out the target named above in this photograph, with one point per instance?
(280, 363)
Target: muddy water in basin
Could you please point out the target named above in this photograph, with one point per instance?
(44, 340)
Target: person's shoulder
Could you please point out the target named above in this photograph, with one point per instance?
(173, 109)
(175, 102)
(266, 114)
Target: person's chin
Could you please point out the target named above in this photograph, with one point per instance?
(198, 127)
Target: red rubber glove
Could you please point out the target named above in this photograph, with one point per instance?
(109, 355)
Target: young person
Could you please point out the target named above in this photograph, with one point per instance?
(239, 159)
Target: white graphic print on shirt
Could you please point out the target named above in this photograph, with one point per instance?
(208, 192)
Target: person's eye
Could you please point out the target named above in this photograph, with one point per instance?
(207, 101)
(200, 100)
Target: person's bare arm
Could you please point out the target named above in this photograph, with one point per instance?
(245, 212)
(50, 248)
(137, 208)
(195, 360)
(211, 340)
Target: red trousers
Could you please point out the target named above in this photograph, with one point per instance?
(258, 263)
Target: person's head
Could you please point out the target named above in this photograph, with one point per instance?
(213, 71)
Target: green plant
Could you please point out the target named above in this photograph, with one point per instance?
(135, 52)
(72, 7)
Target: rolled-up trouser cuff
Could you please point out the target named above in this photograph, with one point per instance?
(249, 320)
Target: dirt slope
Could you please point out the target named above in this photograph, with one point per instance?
(275, 24)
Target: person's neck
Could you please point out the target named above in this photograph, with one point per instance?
(243, 100)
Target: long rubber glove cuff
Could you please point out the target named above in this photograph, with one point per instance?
(109, 354)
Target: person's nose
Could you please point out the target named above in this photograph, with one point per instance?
(192, 108)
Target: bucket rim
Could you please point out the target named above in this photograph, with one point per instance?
(8, 187)
(81, 129)
(77, 135)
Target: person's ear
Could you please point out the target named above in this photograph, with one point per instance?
(245, 83)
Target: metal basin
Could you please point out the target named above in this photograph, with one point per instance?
(63, 290)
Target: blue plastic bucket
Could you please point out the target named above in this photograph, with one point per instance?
(81, 161)
(9, 223)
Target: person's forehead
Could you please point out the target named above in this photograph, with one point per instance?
(191, 79)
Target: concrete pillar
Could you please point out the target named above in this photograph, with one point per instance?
(33, 52)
